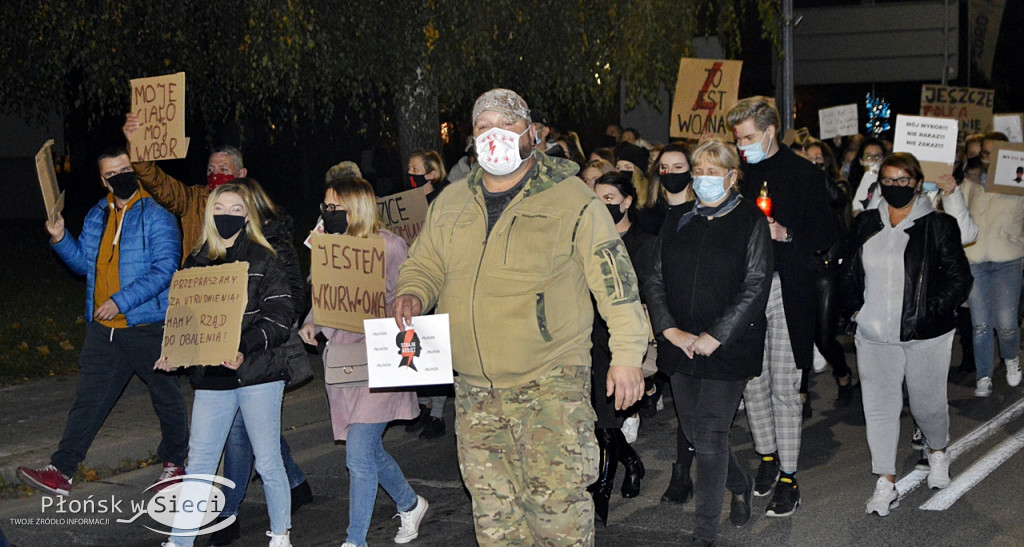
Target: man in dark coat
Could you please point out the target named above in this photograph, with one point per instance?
(801, 229)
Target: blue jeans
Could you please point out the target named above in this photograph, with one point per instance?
(993, 300)
(212, 413)
(109, 358)
(238, 465)
(369, 465)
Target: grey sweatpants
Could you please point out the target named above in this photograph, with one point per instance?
(883, 367)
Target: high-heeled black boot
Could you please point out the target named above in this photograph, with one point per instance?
(602, 489)
(633, 467)
(680, 488)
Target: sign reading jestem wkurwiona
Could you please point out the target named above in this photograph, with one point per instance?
(203, 325)
(348, 280)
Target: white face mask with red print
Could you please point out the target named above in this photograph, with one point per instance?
(497, 150)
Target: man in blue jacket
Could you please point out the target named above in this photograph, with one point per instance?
(128, 251)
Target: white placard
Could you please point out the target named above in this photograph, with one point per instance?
(838, 121)
(1008, 124)
(418, 356)
(931, 140)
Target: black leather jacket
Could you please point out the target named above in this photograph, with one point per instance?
(937, 274)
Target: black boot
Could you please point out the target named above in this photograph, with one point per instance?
(602, 489)
(680, 488)
(633, 467)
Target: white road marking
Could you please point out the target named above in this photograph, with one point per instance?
(968, 479)
(909, 483)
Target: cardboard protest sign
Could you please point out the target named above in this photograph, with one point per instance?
(797, 136)
(1006, 169)
(159, 102)
(972, 107)
(203, 325)
(53, 197)
(705, 91)
(837, 121)
(348, 280)
(421, 355)
(931, 140)
(1010, 125)
(404, 213)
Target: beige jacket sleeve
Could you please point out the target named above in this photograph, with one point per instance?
(614, 283)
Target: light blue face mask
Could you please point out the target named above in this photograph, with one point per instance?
(930, 187)
(709, 189)
(753, 152)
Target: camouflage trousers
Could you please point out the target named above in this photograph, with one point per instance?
(527, 455)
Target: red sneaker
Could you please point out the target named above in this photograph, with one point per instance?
(171, 470)
(48, 479)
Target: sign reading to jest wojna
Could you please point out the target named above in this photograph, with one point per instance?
(203, 325)
(705, 91)
(348, 280)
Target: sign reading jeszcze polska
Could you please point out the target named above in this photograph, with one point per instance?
(970, 106)
(203, 325)
(705, 91)
(348, 280)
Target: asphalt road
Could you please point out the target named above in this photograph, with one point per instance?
(835, 479)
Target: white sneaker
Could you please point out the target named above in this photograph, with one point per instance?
(660, 405)
(938, 470)
(820, 363)
(1013, 371)
(411, 519)
(630, 428)
(884, 498)
(279, 540)
(349, 544)
(984, 387)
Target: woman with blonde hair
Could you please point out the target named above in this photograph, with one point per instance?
(253, 382)
(707, 297)
(358, 415)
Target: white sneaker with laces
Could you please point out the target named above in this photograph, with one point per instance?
(938, 469)
(1013, 371)
(631, 428)
(279, 540)
(884, 498)
(411, 519)
(984, 387)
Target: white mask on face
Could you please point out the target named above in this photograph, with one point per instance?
(497, 150)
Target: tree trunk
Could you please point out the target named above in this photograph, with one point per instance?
(419, 119)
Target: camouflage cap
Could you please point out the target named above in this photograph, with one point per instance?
(506, 102)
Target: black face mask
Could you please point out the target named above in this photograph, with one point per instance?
(616, 213)
(675, 182)
(124, 184)
(336, 222)
(416, 181)
(898, 196)
(228, 225)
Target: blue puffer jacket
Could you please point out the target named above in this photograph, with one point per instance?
(150, 251)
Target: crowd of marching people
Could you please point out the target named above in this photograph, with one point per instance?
(581, 290)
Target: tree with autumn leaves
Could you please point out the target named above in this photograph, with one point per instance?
(301, 63)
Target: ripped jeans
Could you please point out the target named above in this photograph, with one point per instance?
(993, 300)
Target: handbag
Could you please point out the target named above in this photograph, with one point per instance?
(297, 362)
(345, 364)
